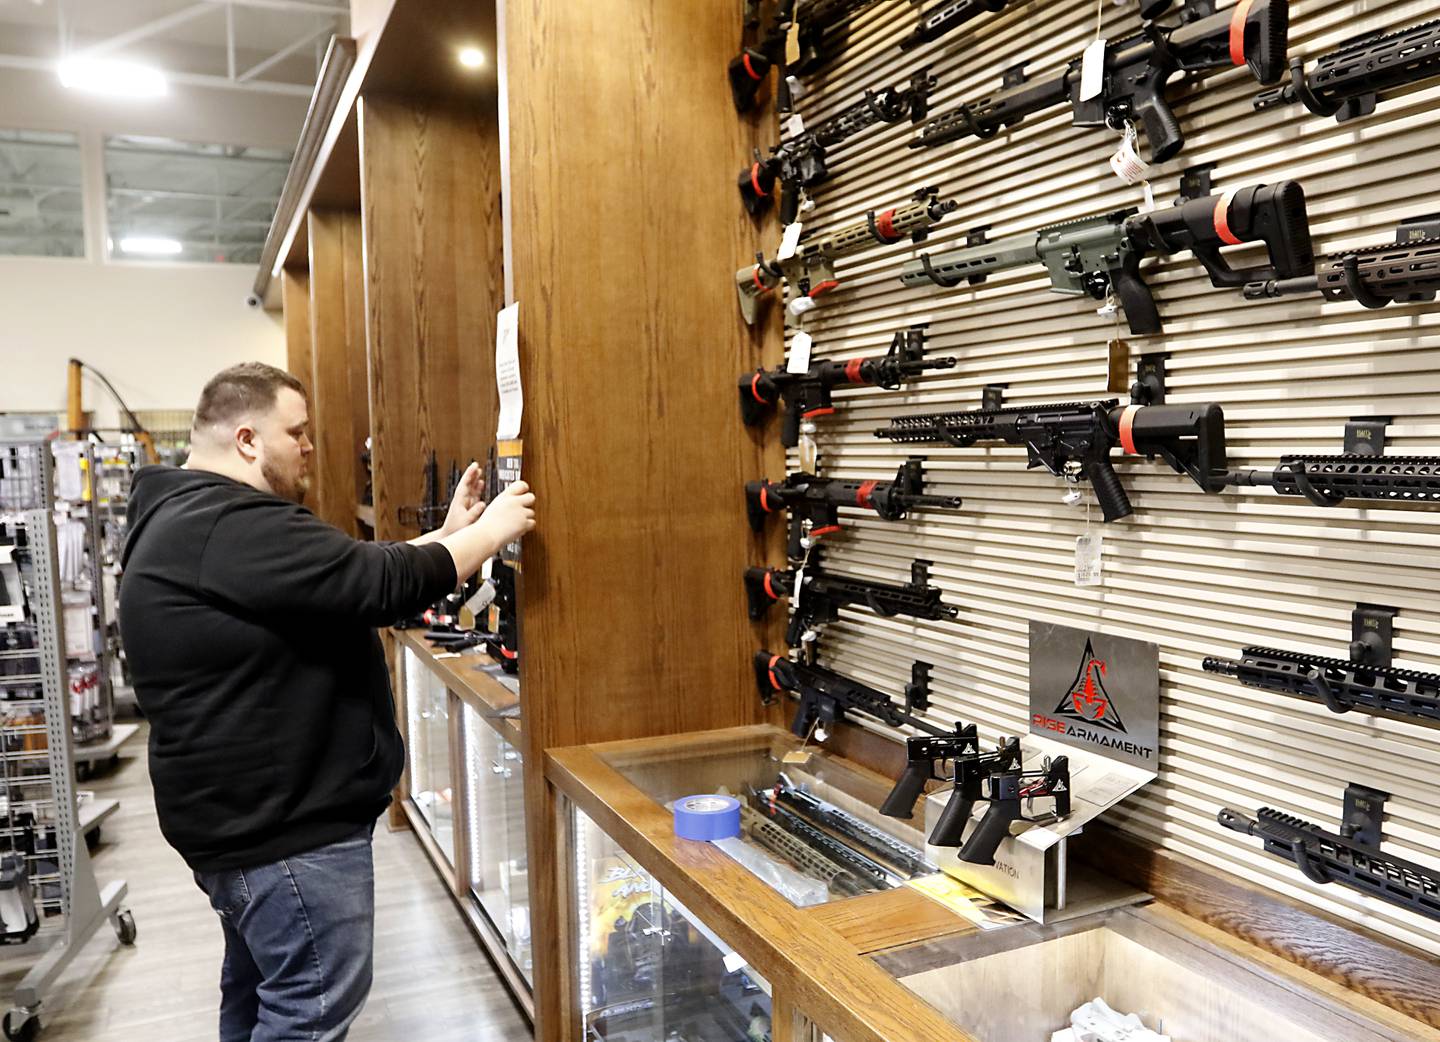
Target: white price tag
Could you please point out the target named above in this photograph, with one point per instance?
(799, 360)
(734, 962)
(1126, 161)
(794, 126)
(1088, 548)
(1092, 70)
(789, 242)
(797, 89)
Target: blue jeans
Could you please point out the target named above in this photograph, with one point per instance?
(299, 939)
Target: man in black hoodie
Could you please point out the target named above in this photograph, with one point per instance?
(249, 626)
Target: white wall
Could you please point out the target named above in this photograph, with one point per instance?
(157, 331)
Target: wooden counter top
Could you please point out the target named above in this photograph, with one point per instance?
(473, 676)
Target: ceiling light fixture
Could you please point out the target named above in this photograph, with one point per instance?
(472, 57)
(116, 79)
(151, 247)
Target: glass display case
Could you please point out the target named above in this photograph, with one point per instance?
(650, 971)
(427, 739)
(495, 827)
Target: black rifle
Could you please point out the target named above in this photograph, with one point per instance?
(826, 696)
(1346, 83)
(946, 17)
(876, 875)
(1073, 440)
(1005, 790)
(1340, 684)
(814, 502)
(1351, 857)
(810, 271)
(861, 833)
(431, 512)
(802, 161)
(503, 642)
(823, 594)
(822, 28)
(808, 395)
(749, 69)
(1101, 255)
(1328, 481)
(970, 767)
(1136, 75)
(1407, 270)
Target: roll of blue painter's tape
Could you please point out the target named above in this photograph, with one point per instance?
(707, 817)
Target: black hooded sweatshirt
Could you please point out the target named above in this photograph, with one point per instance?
(249, 626)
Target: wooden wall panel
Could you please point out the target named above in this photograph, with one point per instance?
(339, 407)
(295, 299)
(625, 233)
(431, 203)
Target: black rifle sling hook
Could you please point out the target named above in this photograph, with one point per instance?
(936, 277)
(1311, 870)
(1315, 677)
(1362, 294)
(1309, 491)
(1308, 97)
(873, 603)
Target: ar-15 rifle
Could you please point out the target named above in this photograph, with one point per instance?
(970, 767)
(1340, 684)
(1005, 790)
(1328, 481)
(944, 18)
(749, 69)
(430, 514)
(810, 271)
(1373, 276)
(823, 594)
(1101, 255)
(820, 31)
(1137, 72)
(1073, 440)
(1351, 857)
(826, 696)
(808, 394)
(1346, 83)
(801, 162)
(822, 28)
(814, 502)
(862, 834)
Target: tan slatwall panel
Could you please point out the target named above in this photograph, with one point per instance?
(1196, 574)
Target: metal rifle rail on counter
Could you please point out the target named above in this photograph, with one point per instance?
(824, 814)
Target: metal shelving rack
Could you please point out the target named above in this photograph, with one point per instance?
(71, 905)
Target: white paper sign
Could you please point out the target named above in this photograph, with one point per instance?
(1092, 71)
(789, 242)
(507, 372)
(799, 360)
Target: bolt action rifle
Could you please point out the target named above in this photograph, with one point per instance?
(810, 271)
(1373, 276)
(826, 696)
(814, 502)
(1351, 857)
(1137, 72)
(1073, 440)
(1328, 481)
(801, 162)
(808, 395)
(1339, 684)
(1347, 82)
(823, 594)
(1005, 791)
(1100, 256)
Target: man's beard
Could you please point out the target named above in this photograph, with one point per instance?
(284, 485)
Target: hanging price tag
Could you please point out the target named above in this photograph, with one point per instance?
(1092, 70)
(1088, 549)
(1126, 161)
(794, 126)
(799, 360)
(789, 242)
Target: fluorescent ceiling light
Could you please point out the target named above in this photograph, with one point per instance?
(116, 79)
(151, 247)
(472, 57)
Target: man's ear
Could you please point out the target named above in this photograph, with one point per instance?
(245, 439)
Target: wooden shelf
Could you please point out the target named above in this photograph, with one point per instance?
(470, 674)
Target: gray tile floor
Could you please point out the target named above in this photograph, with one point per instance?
(432, 982)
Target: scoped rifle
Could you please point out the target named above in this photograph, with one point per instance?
(802, 161)
(823, 594)
(1340, 684)
(826, 696)
(1005, 791)
(1100, 256)
(1351, 857)
(1328, 481)
(1137, 71)
(808, 395)
(748, 69)
(862, 834)
(1346, 83)
(1373, 276)
(810, 271)
(814, 502)
(1073, 440)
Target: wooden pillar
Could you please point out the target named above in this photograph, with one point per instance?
(295, 300)
(429, 183)
(339, 403)
(625, 233)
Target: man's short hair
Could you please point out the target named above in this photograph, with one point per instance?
(249, 388)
